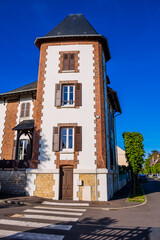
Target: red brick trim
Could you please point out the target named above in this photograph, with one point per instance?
(8, 136)
(38, 106)
(99, 107)
(60, 163)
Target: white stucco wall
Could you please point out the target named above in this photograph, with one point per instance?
(84, 116)
(102, 187)
(30, 186)
(2, 120)
(122, 160)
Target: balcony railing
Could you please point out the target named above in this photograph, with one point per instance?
(14, 164)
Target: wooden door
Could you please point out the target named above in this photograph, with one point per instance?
(66, 183)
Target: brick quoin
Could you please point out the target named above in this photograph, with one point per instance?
(8, 137)
(99, 106)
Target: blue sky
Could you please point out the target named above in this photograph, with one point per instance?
(133, 32)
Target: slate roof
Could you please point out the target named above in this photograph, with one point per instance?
(25, 125)
(74, 26)
(27, 88)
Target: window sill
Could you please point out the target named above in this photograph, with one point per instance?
(65, 152)
(68, 71)
(68, 106)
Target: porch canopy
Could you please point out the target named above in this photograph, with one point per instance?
(25, 125)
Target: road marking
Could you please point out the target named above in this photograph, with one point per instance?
(54, 218)
(29, 236)
(35, 224)
(65, 209)
(65, 204)
(52, 212)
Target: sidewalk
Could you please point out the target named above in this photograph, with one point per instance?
(118, 201)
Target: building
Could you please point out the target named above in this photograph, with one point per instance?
(58, 134)
(122, 160)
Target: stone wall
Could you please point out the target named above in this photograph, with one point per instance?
(44, 186)
(88, 181)
(13, 181)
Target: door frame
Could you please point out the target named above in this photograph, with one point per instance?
(60, 181)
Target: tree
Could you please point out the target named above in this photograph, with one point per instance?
(147, 165)
(134, 153)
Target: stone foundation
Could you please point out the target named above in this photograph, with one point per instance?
(88, 180)
(13, 181)
(44, 186)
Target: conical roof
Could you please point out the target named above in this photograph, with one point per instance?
(73, 25)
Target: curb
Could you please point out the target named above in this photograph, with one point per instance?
(15, 202)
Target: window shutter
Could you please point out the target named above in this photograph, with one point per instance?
(22, 109)
(27, 113)
(71, 61)
(65, 61)
(78, 94)
(14, 150)
(55, 146)
(57, 95)
(78, 138)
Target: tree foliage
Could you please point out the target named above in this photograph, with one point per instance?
(134, 150)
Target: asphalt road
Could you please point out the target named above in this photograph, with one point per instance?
(130, 224)
(135, 223)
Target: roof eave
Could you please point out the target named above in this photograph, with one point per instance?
(8, 94)
(99, 37)
(116, 106)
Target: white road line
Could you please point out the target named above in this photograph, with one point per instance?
(65, 204)
(52, 212)
(64, 209)
(53, 218)
(29, 236)
(35, 224)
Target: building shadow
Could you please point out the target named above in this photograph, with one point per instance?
(88, 228)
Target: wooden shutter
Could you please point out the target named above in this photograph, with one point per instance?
(56, 137)
(65, 61)
(22, 110)
(14, 150)
(27, 112)
(57, 95)
(71, 61)
(78, 138)
(78, 94)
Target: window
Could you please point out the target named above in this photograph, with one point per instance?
(22, 149)
(67, 139)
(68, 61)
(67, 95)
(25, 109)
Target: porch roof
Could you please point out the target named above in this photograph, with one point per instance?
(25, 125)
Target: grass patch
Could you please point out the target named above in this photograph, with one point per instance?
(138, 197)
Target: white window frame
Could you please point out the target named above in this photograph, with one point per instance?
(67, 149)
(22, 148)
(68, 95)
(25, 109)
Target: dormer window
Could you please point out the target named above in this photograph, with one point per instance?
(25, 110)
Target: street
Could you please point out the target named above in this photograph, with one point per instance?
(46, 221)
